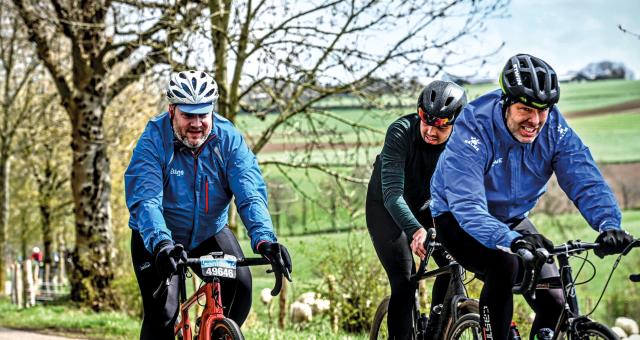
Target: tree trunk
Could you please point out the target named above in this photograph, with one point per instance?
(92, 271)
(47, 233)
(4, 214)
(219, 11)
(62, 255)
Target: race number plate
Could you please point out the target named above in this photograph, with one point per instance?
(219, 266)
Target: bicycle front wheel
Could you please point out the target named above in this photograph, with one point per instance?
(379, 326)
(466, 328)
(593, 330)
(226, 329)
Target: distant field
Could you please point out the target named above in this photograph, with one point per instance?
(574, 97)
(611, 137)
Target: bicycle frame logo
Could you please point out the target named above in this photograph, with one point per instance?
(571, 290)
(488, 334)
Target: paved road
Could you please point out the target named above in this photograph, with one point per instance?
(10, 334)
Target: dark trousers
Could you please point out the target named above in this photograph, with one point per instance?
(160, 315)
(393, 250)
(500, 271)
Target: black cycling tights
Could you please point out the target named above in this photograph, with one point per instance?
(500, 271)
(160, 315)
(394, 252)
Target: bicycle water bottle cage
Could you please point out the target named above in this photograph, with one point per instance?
(218, 266)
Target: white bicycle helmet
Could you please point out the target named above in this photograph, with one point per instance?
(194, 92)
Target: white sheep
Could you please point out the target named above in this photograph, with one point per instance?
(265, 296)
(301, 312)
(628, 325)
(315, 300)
(619, 332)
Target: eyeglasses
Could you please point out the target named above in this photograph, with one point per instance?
(432, 119)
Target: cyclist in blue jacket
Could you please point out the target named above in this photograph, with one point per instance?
(505, 146)
(185, 168)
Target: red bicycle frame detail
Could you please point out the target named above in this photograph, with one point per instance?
(213, 311)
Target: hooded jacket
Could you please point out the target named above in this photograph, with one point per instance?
(175, 193)
(486, 178)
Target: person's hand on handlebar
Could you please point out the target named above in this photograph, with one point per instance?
(417, 244)
(278, 255)
(167, 255)
(612, 241)
(531, 242)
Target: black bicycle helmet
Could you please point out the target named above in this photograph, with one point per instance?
(531, 81)
(440, 103)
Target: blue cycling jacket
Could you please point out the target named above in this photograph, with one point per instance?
(485, 177)
(174, 193)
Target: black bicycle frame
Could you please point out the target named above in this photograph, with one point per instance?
(455, 293)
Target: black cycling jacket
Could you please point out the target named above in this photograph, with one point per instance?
(402, 172)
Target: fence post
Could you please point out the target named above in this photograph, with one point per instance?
(16, 284)
(28, 290)
(283, 304)
(333, 308)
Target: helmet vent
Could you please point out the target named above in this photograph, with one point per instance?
(202, 88)
(433, 96)
(448, 101)
(541, 76)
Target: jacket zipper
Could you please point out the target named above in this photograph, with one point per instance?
(206, 195)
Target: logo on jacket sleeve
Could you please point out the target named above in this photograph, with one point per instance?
(474, 142)
(176, 172)
(562, 130)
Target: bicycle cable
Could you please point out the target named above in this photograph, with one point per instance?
(581, 265)
(198, 299)
(615, 265)
(593, 272)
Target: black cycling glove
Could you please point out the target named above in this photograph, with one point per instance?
(611, 242)
(167, 255)
(278, 255)
(531, 242)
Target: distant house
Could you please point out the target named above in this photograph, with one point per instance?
(603, 70)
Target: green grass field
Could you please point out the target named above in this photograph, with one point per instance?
(574, 97)
(604, 134)
(611, 137)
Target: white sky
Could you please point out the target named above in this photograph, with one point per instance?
(568, 34)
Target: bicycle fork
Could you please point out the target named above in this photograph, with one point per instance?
(211, 315)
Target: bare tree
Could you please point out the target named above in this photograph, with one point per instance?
(624, 30)
(16, 68)
(110, 45)
(285, 57)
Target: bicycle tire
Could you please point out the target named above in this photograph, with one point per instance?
(593, 330)
(468, 307)
(467, 327)
(226, 329)
(379, 325)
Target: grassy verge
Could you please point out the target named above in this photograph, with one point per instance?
(69, 321)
